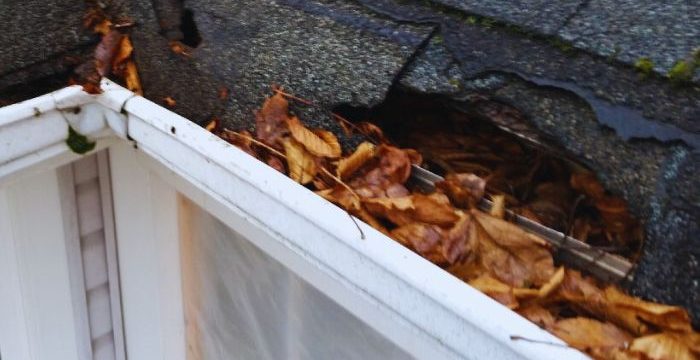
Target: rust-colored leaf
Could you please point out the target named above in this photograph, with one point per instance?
(311, 141)
(124, 50)
(301, 164)
(496, 290)
(270, 120)
(424, 239)
(348, 165)
(664, 316)
(131, 77)
(430, 209)
(106, 51)
(170, 102)
(179, 48)
(465, 190)
(514, 256)
(538, 315)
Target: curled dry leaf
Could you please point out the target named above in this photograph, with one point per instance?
(372, 131)
(552, 284)
(170, 102)
(179, 48)
(131, 77)
(301, 164)
(664, 346)
(496, 290)
(424, 239)
(465, 190)
(329, 139)
(498, 209)
(538, 315)
(106, 51)
(429, 209)
(586, 334)
(664, 316)
(123, 53)
(270, 120)
(315, 144)
(514, 256)
(348, 165)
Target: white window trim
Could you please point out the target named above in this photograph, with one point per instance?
(415, 304)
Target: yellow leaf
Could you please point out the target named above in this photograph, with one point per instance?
(499, 206)
(302, 166)
(330, 139)
(552, 284)
(312, 142)
(123, 52)
(663, 346)
(131, 77)
(347, 166)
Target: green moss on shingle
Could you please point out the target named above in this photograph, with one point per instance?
(644, 65)
(682, 71)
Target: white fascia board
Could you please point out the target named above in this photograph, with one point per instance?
(436, 304)
(34, 132)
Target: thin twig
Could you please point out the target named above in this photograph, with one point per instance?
(517, 337)
(276, 152)
(335, 115)
(362, 234)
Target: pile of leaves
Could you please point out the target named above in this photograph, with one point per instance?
(113, 55)
(512, 266)
(537, 182)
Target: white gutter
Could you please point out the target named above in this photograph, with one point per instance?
(440, 309)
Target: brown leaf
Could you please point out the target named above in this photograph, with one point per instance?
(465, 190)
(424, 239)
(301, 164)
(179, 48)
(372, 131)
(430, 209)
(583, 293)
(586, 334)
(241, 140)
(123, 53)
(496, 290)
(270, 120)
(330, 139)
(348, 165)
(170, 102)
(131, 77)
(553, 283)
(499, 206)
(664, 316)
(588, 184)
(514, 256)
(664, 346)
(538, 315)
(106, 51)
(311, 141)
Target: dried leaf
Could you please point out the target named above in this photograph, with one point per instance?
(103, 27)
(179, 48)
(330, 139)
(552, 284)
(301, 164)
(586, 334)
(424, 239)
(496, 290)
(372, 131)
(538, 315)
(664, 316)
(170, 102)
(131, 77)
(270, 120)
(106, 51)
(123, 53)
(499, 206)
(347, 166)
(465, 190)
(663, 346)
(514, 256)
(430, 209)
(311, 141)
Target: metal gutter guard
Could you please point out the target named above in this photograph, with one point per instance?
(448, 317)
